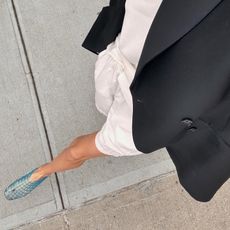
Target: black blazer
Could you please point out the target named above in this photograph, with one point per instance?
(181, 88)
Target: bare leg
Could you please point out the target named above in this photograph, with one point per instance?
(81, 149)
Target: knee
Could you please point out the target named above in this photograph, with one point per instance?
(76, 153)
(82, 148)
(77, 150)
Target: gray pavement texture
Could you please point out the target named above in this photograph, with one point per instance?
(156, 204)
(47, 100)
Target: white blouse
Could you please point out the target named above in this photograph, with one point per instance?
(138, 18)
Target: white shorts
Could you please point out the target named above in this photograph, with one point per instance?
(113, 76)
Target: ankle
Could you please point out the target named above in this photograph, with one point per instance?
(42, 170)
(39, 173)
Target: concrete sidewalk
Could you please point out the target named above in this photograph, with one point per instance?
(159, 204)
(47, 100)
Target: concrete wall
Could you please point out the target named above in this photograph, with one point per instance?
(46, 100)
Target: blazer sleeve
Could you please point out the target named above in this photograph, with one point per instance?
(106, 27)
(202, 161)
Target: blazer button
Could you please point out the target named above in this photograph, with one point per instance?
(187, 121)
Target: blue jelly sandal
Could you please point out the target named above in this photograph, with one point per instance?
(22, 186)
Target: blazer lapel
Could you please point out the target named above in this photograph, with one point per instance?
(173, 20)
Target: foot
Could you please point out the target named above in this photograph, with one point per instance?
(36, 175)
(22, 186)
